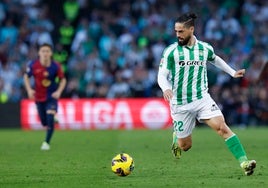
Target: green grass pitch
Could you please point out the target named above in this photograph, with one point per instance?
(83, 158)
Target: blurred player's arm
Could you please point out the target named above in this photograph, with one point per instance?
(220, 63)
(163, 82)
(60, 89)
(28, 87)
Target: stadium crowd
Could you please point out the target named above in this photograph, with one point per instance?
(111, 49)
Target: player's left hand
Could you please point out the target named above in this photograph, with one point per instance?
(240, 73)
(56, 95)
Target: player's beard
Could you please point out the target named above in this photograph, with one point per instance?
(185, 41)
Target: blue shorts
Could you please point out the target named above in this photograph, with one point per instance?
(43, 107)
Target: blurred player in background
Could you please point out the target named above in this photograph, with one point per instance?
(46, 90)
(183, 79)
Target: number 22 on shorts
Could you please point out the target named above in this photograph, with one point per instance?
(178, 126)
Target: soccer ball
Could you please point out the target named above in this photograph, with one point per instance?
(122, 164)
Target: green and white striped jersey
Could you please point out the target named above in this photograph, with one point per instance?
(187, 70)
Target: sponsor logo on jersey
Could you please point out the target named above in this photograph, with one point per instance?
(191, 63)
(45, 74)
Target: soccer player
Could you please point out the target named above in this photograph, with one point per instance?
(183, 78)
(46, 90)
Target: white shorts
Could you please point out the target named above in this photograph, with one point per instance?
(184, 116)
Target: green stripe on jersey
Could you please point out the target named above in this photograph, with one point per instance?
(200, 71)
(180, 84)
(171, 65)
(190, 77)
(198, 84)
(181, 76)
(190, 84)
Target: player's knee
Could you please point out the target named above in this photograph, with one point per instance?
(223, 129)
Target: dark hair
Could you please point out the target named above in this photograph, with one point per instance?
(187, 19)
(45, 44)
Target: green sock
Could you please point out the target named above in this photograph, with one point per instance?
(175, 139)
(234, 145)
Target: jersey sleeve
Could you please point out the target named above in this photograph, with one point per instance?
(164, 63)
(29, 69)
(163, 73)
(220, 63)
(60, 72)
(211, 53)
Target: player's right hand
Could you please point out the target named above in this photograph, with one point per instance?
(240, 73)
(31, 93)
(168, 94)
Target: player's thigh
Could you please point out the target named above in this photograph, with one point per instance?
(51, 106)
(206, 109)
(183, 122)
(41, 109)
(210, 114)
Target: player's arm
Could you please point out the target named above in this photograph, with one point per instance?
(163, 82)
(60, 89)
(220, 63)
(28, 87)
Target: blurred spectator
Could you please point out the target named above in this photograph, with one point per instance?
(3, 95)
(60, 55)
(9, 32)
(120, 88)
(263, 78)
(71, 10)
(261, 106)
(66, 31)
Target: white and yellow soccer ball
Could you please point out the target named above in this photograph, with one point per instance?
(122, 164)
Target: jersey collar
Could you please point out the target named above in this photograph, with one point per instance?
(195, 42)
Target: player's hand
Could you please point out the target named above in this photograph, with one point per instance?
(31, 93)
(240, 73)
(56, 95)
(168, 94)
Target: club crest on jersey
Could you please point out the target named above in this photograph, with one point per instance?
(191, 63)
(201, 53)
(46, 82)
